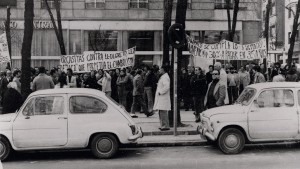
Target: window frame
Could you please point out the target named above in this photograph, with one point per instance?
(51, 4)
(14, 2)
(273, 89)
(101, 2)
(34, 108)
(222, 4)
(189, 4)
(138, 2)
(90, 96)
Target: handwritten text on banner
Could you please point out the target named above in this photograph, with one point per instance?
(4, 53)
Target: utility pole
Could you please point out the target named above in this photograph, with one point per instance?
(266, 32)
(8, 37)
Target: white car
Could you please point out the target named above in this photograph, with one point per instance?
(65, 119)
(264, 112)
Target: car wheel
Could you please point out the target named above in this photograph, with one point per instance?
(231, 141)
(104, 145)
(5, 148)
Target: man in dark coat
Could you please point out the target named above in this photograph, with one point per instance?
(3, 86)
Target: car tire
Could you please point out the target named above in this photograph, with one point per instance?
(104, 146)
(5, 149)
(231, 141)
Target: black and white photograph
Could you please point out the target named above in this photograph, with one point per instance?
(149, 84)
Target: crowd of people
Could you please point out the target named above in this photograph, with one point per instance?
(222, 84)
(142, 89)
(147, 89)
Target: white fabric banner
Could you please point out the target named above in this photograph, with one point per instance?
(95, 60)
(4, 53)
(226, 50)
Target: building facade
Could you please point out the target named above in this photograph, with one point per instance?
(116, 25)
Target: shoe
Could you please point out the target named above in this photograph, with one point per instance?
(133, 116)
(163, 129)
(149, 114)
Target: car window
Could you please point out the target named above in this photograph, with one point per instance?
(86, 104)
(276, 98)
(44, 106)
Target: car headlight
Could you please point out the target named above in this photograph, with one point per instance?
(211, 127)
(133, 128)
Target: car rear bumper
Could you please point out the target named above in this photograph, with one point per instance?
(137, 136)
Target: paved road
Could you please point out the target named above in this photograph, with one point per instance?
(200, 157)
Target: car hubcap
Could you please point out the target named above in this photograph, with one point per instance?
(104, 145)
(2, 149)
(231, 141)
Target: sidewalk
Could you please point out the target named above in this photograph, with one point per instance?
(186, 136)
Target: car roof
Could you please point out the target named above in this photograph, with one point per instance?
(68, 91)
(265, 85)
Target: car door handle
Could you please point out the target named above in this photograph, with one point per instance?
(253, 111)
(62, 118)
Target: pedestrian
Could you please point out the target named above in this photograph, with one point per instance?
(62, 81)
(71, 80)
(275, 70)
(138, 95)
(185, 89)
(129, 87)
(54, 76)
(149, 83)
(42, 81)
(86, 82)
(114, 87)
(209, 74)
(105, 82)
(12, 99)
(93, 80)
(258, 77)
(216, 93)
(9, 76)
(244, 79)
(198, 87)
(162, 101)
(121, 83)
(3, 86)
(280, 77)
(292, 75)
(223, 79)
(17, 75)
(233, 84)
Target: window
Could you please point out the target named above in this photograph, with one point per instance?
(276, 98)
(143, 40)
(138, 4)
(5, 3)
(90, 4)
(44, 106)
(246, 96)
(221, 4)
(51, 3)
(85, 104)
(189, 4)
(102, 40)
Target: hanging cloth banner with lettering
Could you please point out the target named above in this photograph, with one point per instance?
(4, 53)
(95, 60)
(226, 50)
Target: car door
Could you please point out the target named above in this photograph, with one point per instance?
(41, 123)
(273, 115)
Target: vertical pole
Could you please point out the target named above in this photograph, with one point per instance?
(175, 91)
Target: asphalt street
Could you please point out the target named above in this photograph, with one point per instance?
(283, 156)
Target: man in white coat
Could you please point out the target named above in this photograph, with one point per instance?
(223, 79)
(162, 101)
(71, 80)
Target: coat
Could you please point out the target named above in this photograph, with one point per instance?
(162, 95)
(137, 85)
(219, 94)
(223, 80)
(72, 84)
(42, 81)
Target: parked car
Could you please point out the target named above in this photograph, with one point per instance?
(66, 119)
(264, 112)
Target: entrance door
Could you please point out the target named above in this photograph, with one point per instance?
(42, 123)
(273, 115)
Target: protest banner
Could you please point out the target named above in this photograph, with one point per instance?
(4, 53)
(226, 50)
(95, 60)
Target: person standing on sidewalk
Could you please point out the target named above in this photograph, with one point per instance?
(233, 85)
(105, 82)
(162, 101)
(137, 95)
(149, 81)
(42, 81)
(198, 86)
(222, 78)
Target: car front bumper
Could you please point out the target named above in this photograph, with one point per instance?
(136, 136)
(203, 131)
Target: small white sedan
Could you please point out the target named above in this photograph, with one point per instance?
(264, 112)
(67, 118)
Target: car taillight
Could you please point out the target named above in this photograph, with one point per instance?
(133, 128)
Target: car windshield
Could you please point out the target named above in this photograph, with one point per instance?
(246, 96)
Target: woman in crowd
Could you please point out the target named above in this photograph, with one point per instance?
(121, 83)
(105, 82)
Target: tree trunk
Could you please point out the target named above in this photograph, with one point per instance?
(168, 6)
(232, 25)
(58, 30)
(266, 32)
(26, 48)
(293, 36)
(8, 36)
